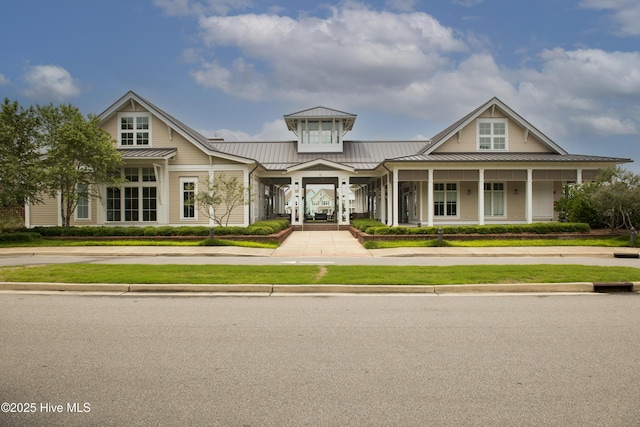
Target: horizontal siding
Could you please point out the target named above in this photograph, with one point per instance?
(468, 143)
(175, 196)
(44, 214)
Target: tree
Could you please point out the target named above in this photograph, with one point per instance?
(222, 195)
(80, 156)
(21, 171)
(612, 200)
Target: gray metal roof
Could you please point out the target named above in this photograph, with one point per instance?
(359, 155)
(508, 157)
(320, 112)
(147, 153)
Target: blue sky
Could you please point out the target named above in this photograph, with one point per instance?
(407, 68)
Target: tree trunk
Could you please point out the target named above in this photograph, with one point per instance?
(211, 233)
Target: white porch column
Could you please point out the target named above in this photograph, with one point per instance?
(481, 197)
(420, 202)
(529, 203)
(247, 206)
(212, 223)
(430, 199)
(396, 199)
(578, 176)
(382, 208)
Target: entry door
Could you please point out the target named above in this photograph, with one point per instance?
(543, 200)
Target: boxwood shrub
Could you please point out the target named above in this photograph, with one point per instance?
(19, 237)
(536, 228)
(259, 228)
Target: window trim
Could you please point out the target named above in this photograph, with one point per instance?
(445, 183)
(139, 184)
(492, 135)
(135, 138)
(491, 193)
(185, 180)
(88, 199)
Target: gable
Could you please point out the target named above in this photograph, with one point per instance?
(489, 119)
(520, 140)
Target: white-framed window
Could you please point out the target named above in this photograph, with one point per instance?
(136, 200)
(445, 199)
(83, 211)
(188, 192)
(492, 134)
(494, 199)
(317, 132)
(134, 129)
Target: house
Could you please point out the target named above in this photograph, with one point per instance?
(491, 166)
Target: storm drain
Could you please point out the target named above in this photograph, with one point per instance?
(612, 287)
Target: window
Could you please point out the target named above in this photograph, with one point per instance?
(445, 199)
(188, 189)
(494, 199)
(136, 200)
(316, 132)
(135, 129)
(82, 207)
(492, 134)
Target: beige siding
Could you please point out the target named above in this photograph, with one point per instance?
(516, 203)
(93, 214)
(187, 154)
(44, 214)
(516, 142)
(175, 197)
(237, 215)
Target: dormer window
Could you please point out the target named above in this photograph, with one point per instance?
(492, 134)
(134, 129)
(320, 129)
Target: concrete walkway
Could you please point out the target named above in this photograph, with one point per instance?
(321, 244)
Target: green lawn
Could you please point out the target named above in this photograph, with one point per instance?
(134, 242)
(613, 241)
(311, 274)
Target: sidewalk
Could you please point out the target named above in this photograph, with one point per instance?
(321, 244)
(309, 244)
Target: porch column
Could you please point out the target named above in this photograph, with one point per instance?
(529, 203)
(421, 202)
(389, 199)
(480, 196)
(430, 199)
(382, 208)
(396, 199)
(247, 206)
(578, 176)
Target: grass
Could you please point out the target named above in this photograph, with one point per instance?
(133, 242)
(613, 241)
(311, 274)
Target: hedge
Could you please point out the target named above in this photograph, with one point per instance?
(260, 228)
(536, 228)
(19, 237)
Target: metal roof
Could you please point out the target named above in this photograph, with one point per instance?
(507, 157)
(359, 155)
(147, 153)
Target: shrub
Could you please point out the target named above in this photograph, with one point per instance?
(537, 228)
(19, 237)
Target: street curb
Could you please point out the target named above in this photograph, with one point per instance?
(268, 289)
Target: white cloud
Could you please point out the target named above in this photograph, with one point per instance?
(409, 64)
(271, 131)
(354, 50)
(51, 83)
(625, 14)
(3, 80)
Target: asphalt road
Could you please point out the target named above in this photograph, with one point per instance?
(397, 261)
(553, 360)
